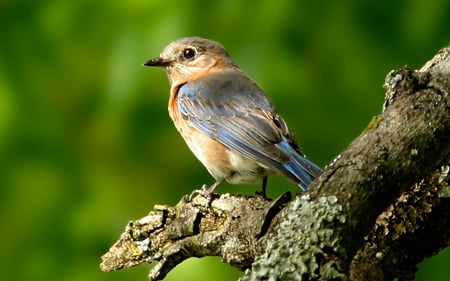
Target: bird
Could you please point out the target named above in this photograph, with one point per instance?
(226, 119)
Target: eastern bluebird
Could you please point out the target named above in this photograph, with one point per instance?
(227, 120)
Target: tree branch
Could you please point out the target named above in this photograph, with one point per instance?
(357, 221)
(414, 227)
(229, 226)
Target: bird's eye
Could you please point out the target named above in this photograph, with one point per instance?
(189, 53)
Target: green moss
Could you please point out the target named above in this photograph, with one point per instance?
(373, 124)
(305, 247)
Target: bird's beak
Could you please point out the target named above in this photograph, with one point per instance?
(158, 61)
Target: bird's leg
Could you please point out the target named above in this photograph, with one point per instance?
(207, 191)
(263, 188)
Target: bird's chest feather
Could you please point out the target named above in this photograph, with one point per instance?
(216, 157)
(209, 151)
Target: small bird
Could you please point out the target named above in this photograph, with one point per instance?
(226, 119)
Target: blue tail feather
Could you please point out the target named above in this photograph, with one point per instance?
(300, 167)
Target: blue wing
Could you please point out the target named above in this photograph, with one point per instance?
(232, 109)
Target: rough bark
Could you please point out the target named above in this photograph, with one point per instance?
(359, 220)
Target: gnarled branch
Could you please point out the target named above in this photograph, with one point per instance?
(357, 221)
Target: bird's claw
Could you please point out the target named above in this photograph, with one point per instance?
(205, 191)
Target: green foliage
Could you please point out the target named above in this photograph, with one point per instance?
(85, 140)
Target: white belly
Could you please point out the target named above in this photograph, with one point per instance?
(222, 162)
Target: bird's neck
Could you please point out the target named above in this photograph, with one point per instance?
(177, 79)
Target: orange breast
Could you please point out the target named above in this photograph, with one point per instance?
(213, 155)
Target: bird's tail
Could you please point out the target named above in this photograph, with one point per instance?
(299, 168)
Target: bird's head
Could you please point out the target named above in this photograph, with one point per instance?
(190, 57)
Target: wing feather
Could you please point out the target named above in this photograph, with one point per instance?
(230, 108)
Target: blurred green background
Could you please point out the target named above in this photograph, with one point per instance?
(85, 140)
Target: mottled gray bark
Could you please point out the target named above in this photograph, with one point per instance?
(359, 220)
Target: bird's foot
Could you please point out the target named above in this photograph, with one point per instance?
(263, 194)
(206, 191)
